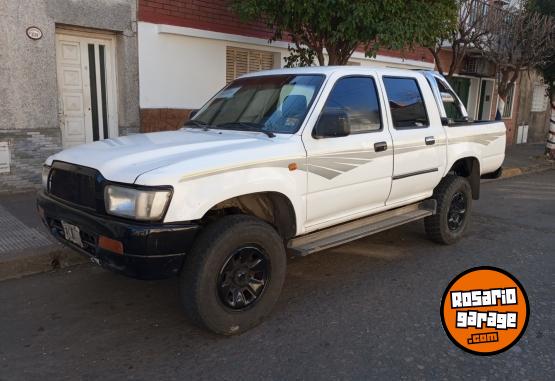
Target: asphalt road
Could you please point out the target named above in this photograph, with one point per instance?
(367, 310)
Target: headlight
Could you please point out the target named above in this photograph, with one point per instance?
(45, 173)
(135, 203)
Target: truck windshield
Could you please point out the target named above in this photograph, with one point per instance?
(272, 103)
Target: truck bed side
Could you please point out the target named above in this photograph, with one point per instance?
(482, 140)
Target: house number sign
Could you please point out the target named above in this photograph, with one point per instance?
(34, 33)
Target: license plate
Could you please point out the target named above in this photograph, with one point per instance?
(71, 233)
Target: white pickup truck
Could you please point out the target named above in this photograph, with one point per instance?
(289, 161)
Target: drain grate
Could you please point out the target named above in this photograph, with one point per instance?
(15, 235)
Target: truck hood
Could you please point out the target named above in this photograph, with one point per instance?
(124, 159)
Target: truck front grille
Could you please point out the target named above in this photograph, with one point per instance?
(75, 187)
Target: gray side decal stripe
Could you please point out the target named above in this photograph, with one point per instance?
(323, 172)
(332, 165)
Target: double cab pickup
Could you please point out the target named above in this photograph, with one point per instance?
(282, 162)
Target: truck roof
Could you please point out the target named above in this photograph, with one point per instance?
(327, 70)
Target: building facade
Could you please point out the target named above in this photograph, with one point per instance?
(68, 75)
(526, 113)
(534, 109)
(189, 49)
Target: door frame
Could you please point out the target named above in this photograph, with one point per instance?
(479, 98)
(311, 146)
(111, 71)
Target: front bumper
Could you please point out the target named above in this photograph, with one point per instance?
(150, 250)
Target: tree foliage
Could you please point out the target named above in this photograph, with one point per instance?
(338, 27)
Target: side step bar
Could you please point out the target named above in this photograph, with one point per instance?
(353, 230)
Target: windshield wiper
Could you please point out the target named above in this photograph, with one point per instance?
(197, 124)
(246, 126)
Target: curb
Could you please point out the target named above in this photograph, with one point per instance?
(517, 171)
(43, 259)
(509, 172)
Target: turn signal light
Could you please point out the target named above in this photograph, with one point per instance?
(110, 244)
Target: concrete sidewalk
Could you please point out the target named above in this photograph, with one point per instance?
(525, 158)
(27, 248)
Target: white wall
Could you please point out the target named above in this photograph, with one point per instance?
(177, 71)
(183, 67)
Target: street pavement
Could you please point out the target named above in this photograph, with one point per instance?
(366, 310)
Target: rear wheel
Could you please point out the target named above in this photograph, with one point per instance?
(233, 276)
(454, 205)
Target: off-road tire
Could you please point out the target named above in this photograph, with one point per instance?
(199, 276)
(436, 226)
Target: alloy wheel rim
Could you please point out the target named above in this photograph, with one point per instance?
(243, 277)
(457, 211)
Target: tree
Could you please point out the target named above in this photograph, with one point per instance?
(519, 39)
(467, 34)
(547, 7)
(338, 27)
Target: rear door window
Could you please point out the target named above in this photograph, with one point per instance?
(406, 103)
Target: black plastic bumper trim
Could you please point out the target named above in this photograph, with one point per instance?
(415, 173)
(151, 250)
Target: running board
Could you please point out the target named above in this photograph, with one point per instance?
(353, 230)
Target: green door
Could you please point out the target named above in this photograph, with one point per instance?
(462, 88)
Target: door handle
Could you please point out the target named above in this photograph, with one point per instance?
(430, 140)
(380, 146)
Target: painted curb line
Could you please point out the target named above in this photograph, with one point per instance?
(509, 172)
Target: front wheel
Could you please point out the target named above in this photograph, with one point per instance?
(233, 276)
(454, 205)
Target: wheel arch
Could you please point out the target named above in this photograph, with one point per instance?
(468, 167)
(273, 207)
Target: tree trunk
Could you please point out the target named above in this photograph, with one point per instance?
(333, 55)
(436, 55)
(340, 53)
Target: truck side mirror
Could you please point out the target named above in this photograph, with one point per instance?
(193, 113)
(332, 123)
